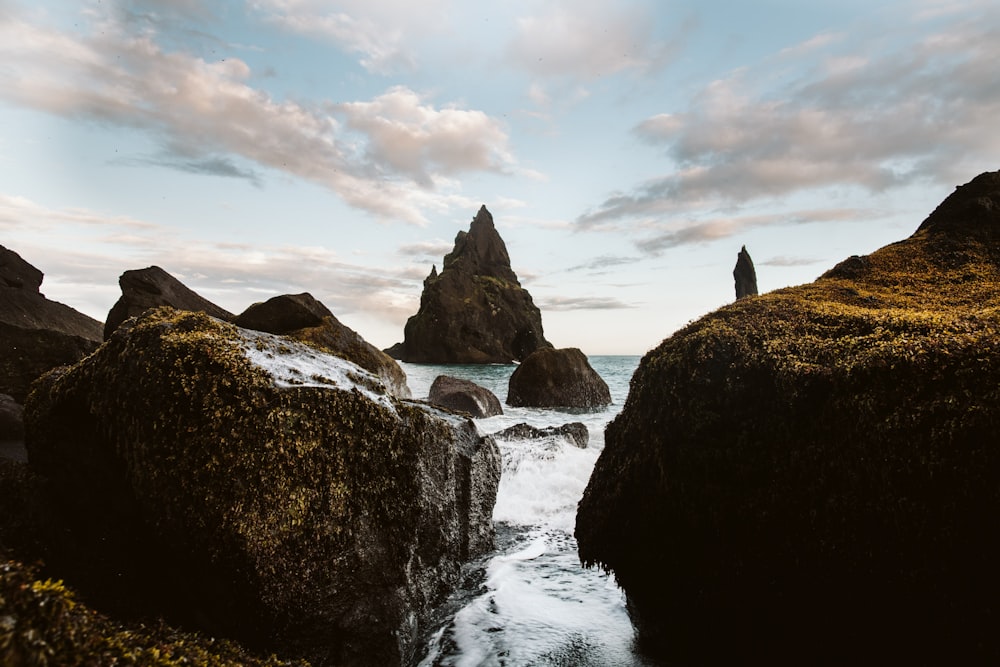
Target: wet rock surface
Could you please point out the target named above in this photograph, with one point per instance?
(253, 487)
(464, 396)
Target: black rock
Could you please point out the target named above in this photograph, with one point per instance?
(551, 378)
(475, 311)
(745, 275)
(575, 432)
(464, 396)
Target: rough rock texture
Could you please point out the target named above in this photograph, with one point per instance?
(745, 275)
(256, 488)
(45, 623)
(11, 418)
(36, 334)
(552, 378)
(475, 311)
(814, 474)
(302, 317)
(464, 396)
(147, 288)
(575, 432)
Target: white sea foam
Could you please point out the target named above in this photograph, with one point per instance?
(294, 364)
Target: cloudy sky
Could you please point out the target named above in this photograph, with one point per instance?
(626, 148)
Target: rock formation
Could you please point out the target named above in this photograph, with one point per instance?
(575, 432)
(551, 378)
(147, 288)
(814, 474)
(256, 488)
(464, 396)
(36, 334)
(475, 311)
(745, 275)
(302, 317)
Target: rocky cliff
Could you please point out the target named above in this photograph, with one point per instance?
(812, 476)
(152, 287)
(474, 311)
(257, 488)
(36, 334)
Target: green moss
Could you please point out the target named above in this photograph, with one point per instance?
(42, 622)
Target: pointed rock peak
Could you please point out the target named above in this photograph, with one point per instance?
(745, 275)
(481, 251)
(971, 211)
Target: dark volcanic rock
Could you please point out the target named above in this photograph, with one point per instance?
(151, 287)
(576, 432)
(552, 378)
(464, 396)
(475, 311)
(816, 478)
(252, 486)
(745, 275)
(302, 317)
(36, 334)
(284, 314)
(11, 418)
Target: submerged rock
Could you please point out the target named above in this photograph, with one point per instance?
(36, 334)
(464, 396)
(151, 287)
(302, 317)
(745, 275)
(475, 311)
(254, 487)
(551, 378)
(813, 475)
(575, 432)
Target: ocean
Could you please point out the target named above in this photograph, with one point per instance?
(530, 602)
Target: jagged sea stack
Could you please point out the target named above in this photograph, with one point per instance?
(745, 275)
(475, 311)
(812, 476)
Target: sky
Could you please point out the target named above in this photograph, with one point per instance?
(627, 149)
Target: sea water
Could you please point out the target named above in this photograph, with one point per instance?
(530, 602)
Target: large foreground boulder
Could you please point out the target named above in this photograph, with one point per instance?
(254, 487)
(36, 334)
(302, 317)
(464, 396)
(552, 378)
(475, 311)
(152, 287)
(812, 476)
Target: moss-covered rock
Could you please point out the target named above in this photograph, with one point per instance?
(255, 487)
(42, 622)
(813, 475)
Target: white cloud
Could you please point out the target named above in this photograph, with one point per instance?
(407, 136)
(379, 32)
(392, 159)
(922, 112)
(588, 39)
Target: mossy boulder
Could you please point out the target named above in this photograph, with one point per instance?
(303, 318)
(252, 486)
(464, 396)
(43, 622)
(812, 476)
(554, 378)
(475, 311)
(36, 334)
